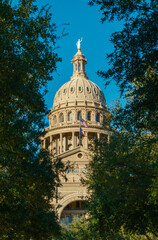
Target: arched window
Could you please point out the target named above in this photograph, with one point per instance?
(89, 116)
(97, 117)
(62, 117)
(70, 117)
(79, 115)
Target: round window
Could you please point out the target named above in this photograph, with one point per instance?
(80, 89)
(95, 90)
(84, 171)
(88, 89)
(68, 171)
(80, 155)
(76, 171)
(71, 89)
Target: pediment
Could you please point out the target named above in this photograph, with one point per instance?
(73, 151)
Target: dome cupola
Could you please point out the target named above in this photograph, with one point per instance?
(79, 88)
(79, 62)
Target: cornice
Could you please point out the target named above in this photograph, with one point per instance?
(77, 107)
(76, 126)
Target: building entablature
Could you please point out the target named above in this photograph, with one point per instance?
(75, 129)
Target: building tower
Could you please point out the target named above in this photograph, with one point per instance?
(77, 98)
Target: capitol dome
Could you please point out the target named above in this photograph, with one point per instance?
(79, 87)
(77, 94)
(75, 120)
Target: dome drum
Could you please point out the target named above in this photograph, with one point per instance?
(71, 115)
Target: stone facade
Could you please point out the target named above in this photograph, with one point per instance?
(77, 98)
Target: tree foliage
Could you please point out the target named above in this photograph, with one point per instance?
(27, 175)
(133, 63)
(79, 229)
(120, 181)
(123, 173)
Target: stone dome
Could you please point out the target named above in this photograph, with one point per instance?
(79, 88)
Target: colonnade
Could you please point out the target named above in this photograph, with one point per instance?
(61, 142)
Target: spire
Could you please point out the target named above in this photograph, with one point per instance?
(79, 61)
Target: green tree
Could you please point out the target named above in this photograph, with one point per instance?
(123, 173)
(28, 177)
(133, 63)
(79, 229)
(120, 181)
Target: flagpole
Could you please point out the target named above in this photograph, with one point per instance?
(79, 134)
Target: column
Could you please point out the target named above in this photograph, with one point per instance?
(44, 143)
(64, 143)
(61, 142)
(50, 145)
(53, 145)
(75, 115)
(93, 116)
(66, 116)
(73, 139)
(98, 136)
(108, 138)
(56, 145)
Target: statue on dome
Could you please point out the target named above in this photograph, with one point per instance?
(79, 43)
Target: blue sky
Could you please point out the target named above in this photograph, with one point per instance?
(85, 21)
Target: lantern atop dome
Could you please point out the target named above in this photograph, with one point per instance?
(79, 62)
